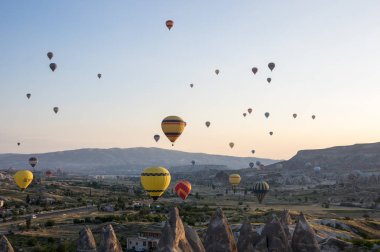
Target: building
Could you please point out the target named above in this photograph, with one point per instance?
(145, 241)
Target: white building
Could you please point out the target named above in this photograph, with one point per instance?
(145, 241)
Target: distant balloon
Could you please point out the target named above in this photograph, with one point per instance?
(183, 189)
(254, 70)
(99, 75)
(55, 109)
(271, 133)
(53, 66)
(173, 126)
(258, 163)
(28, 96)
(271, 66)
(231, 145)
(193, 162)
(313, 116)
(208, 124)
(50, 55)
(253, 151)
(217, 71)
(234, 179)
(266, 114)
(48, 173)
(33, 161)
(191, 85)
(251, 164)
(317, 169)
(155, 180)
(294, 116)
(169, 24)
(156, 137)
(269, 80)
(250, 110)
(18, 144)
(244, 114)
(260, 189)
(23, 179)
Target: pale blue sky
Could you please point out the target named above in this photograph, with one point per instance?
(327, 55)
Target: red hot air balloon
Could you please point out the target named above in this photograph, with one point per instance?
(183, 189)
(169, 24)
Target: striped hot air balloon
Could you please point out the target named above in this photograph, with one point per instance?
(260, 189)
(155, 181)
(183, 189)
(173, 126)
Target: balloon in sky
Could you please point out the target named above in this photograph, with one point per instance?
(294, 116)
(23, 179)
(251, 164)
(155, 181)
(253, 151)
(18, 144)
(254, 70)
(217, 71)
(313, 116)
(260, 189)
(271, 133)
(53, 66)
(258, 163)
(231, 145)
(250, 110)
(169, 24)
(28, 96)
(208, 124)
(192, 162)
(191, 85)
(244, 114)
(234, 179)
(271, 66)
(33, 161)
(99, 75)
(266, 114)
(173, 126)
(156, 137)
(183, 189)
(56, 109)
(269, 80)
(50, 55)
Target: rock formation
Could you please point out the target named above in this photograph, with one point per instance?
(194, 240)
(275, 236)
(5, 246)
(304, 237)
(333, 244)
(109, 241)
(246, 239)
(86, 242)
(219, 236)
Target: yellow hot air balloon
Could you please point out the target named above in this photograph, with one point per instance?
(173, 126)
(155, 181)
(23, 179)
(234, 179)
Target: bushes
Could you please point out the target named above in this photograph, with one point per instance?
(49, 223)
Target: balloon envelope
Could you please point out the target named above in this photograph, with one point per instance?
(191, 85)
(234, 179)
(294, 116)
(313, 116)
(56, 109)
(207, 124)
(28, 96)
(250, 110)
(18, 144)
(53, 66)
(193, 162)
(33, 161)
(50, 55)
(267, 114)
(251, 164)
(253, 151)
(23, 179)
(217, 71)
(260, 189)
(271, 133)
(244, 114)
(269, 80)
(169, 24)
(271, 66)
(183, 189)
(231, 145)
(99, 75)
(254, 70)
(156, 137)
(155, 180)
(173, 126)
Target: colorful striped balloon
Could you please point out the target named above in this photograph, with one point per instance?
(260, 189)
(234, 179)
(183, 189)
(173, 126)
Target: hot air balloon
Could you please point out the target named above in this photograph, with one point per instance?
(169, 24)
(183, 189)
(217, 71)
(192, 162)
(260, 189)
(191, 85)
(294, 116)
(253, 151)
(53, 66)
(251, 164)
(28, 96)
(271, 133)
(99, 75)
(313, 116)
(23, 179)
(48, 173)
(208, 124)
(250, 110)
(33, 161)
(266, 114)
(234, 179)
(254, 70)
(317, 169)
(269, 80)
(231, 145)
(156, 137)
(55, 109)
(50, 55)
(271, 66)
(244, 114)
(18, 144)
(173, 126)
(155, 181)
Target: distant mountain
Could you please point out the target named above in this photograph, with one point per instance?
(363, 157)
(123, 161)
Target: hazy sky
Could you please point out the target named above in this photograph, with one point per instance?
(327, 56)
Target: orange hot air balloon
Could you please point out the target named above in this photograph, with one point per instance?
(169, 24)
(183, 189)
